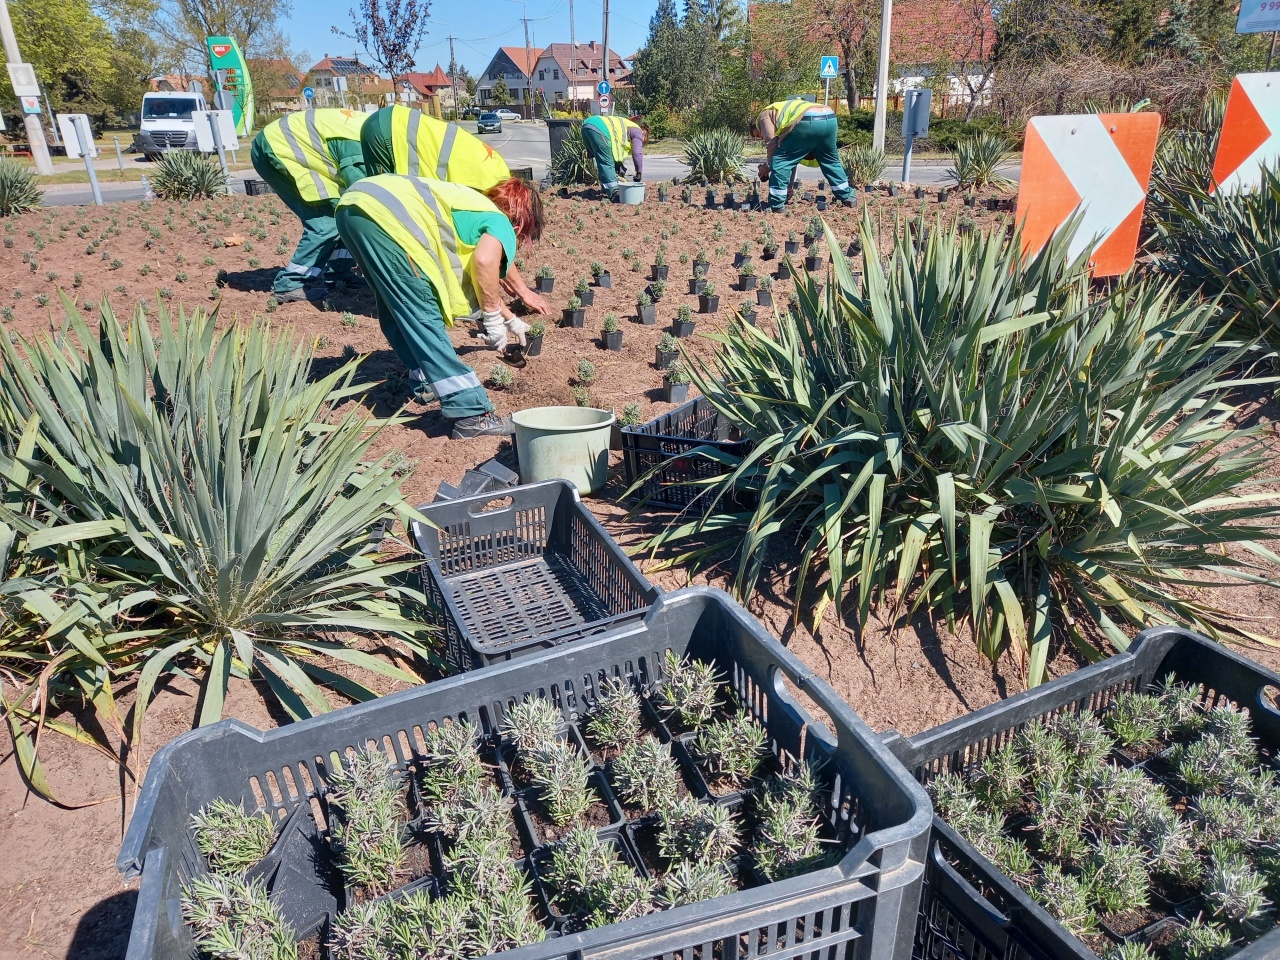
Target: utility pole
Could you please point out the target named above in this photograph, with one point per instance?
(882, 77)
(528, 66)
(35, 133)
(573, 61)
(604, 58)
(453, 79)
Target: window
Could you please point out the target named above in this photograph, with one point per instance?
(542, 75)
(555, 74)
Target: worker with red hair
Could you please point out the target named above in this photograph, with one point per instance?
(433, 252)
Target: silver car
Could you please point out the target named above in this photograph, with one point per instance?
(489, 123)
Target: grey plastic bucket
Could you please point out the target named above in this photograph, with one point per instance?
(567, 443)
(631, 193)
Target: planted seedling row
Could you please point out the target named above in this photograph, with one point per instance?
(1149, 830)
(485, 843)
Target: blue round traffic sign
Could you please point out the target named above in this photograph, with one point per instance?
(309, 93)
(604, 88)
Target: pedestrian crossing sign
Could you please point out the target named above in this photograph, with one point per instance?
(830, 68)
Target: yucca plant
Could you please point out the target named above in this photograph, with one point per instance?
(18, 190)
(863, 163)
(966, 429)
(573, 163)
(204, 481)
(186, 175)
(714, 155)
(976, 161)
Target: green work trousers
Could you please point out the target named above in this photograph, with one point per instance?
(601, 148)
(320, 251)
(813, 136)
(410, 316)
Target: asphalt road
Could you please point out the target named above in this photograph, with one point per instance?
(523, 144)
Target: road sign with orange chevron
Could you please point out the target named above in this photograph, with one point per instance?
(1250, 133)
(1098, 164)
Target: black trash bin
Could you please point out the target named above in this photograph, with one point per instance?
(558, 130)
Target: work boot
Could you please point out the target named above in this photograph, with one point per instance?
(485, 425)
(299, 294)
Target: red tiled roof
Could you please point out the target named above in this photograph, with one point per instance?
(517, 56)
(427, 83)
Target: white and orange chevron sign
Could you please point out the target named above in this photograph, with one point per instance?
(1250, 133)
(1097, 164)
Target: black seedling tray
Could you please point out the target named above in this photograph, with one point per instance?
(516, 571)
(667, 442)
(969, 908)
(861, 908)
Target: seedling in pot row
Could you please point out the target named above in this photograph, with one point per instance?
(562, 776)
(708, 300)
(588, 878)
(747, 311)
(646, 312)
(533, 725)
(764, 293)
(743, 256)
(747, 277)
(369, 834)
(698, 832)
(612, 335)
(231, 840)
(660, 268)
(656, 290)
(684, 323)
(546, 279)
(534, 339)
(574, 314)
(630, 416)
(666, 352)
(675, 383)
(730, 750)
(615, 718)
(582, 290)
(601, 275)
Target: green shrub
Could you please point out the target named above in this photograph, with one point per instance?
(184, 175)
(574, 163)
(976, 161)
(184, 477)
(18, 190)
(863, 163)
(714, 155)
(967, 430)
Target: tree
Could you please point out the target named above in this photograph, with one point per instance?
(390, 31)
(657, 66)
(854, 28)
(69, 46)
(501, 93)
(182, 26)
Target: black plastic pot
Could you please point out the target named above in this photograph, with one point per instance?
(749, 316)
(810, 238)
(659, 272)
(807, 196)
(646, 314)
(664, 358)
(739, 259)
(653, 294)
(812, 263)
(675, 392)
(822, 184)
(682, 328)
(993, 204)
(920, 193)
(574, 318)
(708, 304)
(696, 285)
(791, 247)
(970, 200)
(604, 281)
(853, 249)
(943, 196)
(764, 298)
(711, 199)
(746, 282)
(534, 346)
(821, 203)
(730, 202)
(546, 284)
(768, 253)
(893, 189)
(701, 267)
(588, 297)
(613, 341)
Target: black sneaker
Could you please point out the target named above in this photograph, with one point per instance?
(485, 425)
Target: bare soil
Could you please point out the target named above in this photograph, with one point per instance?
(60, 894)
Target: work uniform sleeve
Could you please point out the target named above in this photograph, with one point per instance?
(348, 157)
(637, 149)
(472, 225)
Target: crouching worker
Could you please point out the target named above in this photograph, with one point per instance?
(794, 130)
(611, 141)
(434, 251)
(402, 140)
(309, 158)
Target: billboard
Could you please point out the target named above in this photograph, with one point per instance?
(233, 78)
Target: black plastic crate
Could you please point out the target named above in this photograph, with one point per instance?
(1000, 921)
(861, 908)
(512, 572)
(667, 442)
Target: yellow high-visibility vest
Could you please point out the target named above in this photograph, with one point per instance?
(426, 147)
(417, 214)
(617, 130)
(298, 141)
(787, 113)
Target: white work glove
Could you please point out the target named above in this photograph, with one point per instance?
(517, 328)
(495, 332)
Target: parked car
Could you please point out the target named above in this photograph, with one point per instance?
(167, 122)
(489, 123)
(505, 114)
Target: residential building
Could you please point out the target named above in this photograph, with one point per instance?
(569, 72)
(514, 66)
(364, 85)
(175, 83)
(277, 85)
(426, 84)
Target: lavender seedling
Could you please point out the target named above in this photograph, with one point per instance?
(615, 718)
(1067, 899)
(646, 774)
(1208, 765)
(504, 921)
(1086, 739)
(691, 690)
(231, 840)
(999, 780)
(369, 835)
(587, 876)
(1133, 950)
(1181, 704)
(697, 831)
(1135, 719)
(562, 777)
(689, 882)
(232, 917)
(1200, 941)
(730, 750)
(1042, 752)
(1224, 820)
(452, 772)
(787, 840)
(1117, 877)
(1235, 892)
(532, 725)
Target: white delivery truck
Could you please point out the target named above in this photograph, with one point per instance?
(167, 122)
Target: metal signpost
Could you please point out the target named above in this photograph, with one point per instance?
(27, 89)
(216, 132)
(916, 106)
(830, 70)
(340, 85)
(78, 137)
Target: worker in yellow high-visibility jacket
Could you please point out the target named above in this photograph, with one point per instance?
(611, 141)
(794, 131)
(309, 158)
(435, 251)
(399, 139)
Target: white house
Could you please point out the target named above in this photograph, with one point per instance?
(569, 72)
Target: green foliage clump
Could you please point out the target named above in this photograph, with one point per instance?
(573, 163)
(18, 190)
(231, 840)
(977, 160)
(235, 919)
(715, 156)
(787, 839)
(186, 175)
(863, 163)
(370, 837)
(646, 775)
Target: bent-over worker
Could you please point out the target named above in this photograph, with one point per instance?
(793, 131)
(434, 251)
(611, 141)
(309, 158)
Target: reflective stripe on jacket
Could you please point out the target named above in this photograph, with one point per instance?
(417, 215)
(426, 147)
(787, 113)
(617, 130)
(298, 142)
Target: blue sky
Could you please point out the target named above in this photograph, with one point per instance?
(479, 26)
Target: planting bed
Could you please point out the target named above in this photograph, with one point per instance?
(1134, 801)
(855, 822)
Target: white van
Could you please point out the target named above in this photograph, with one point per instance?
(167, 123)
